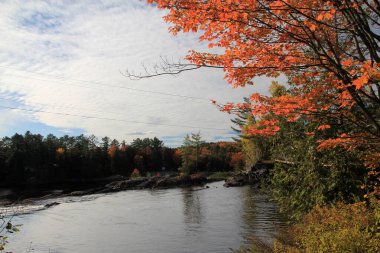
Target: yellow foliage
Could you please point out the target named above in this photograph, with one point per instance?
(342, 228)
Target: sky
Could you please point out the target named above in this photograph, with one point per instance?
(62, 65)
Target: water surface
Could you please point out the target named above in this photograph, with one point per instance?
(188, 220)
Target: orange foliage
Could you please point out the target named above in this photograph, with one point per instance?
(225, 144)
(60, 151)
(327, 49)
(237, 160)
(178, 152)
(177, 155)
(112, 150)
(205, 151)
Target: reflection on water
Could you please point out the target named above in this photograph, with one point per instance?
(174, 220)
(192, 207)
(260, 216)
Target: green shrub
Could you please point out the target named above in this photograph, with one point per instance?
(220, 175)
(135, 173)
(337, 229)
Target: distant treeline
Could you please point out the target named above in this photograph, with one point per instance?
(33, 158)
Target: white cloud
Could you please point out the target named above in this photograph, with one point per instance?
(50, 49)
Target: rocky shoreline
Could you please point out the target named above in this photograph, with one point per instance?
(247, 178)
(159, 182)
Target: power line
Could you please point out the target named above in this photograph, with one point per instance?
(63, 79)
(102, 84)
(78, 108)
(75, 108)
(110, 119)
(81, 108)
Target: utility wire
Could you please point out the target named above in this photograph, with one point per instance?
(129, 106)
(102, 84)
(110, 119)
(81, 109)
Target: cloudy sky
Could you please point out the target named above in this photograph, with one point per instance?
(61, 65)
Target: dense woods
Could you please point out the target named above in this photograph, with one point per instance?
(34, 159)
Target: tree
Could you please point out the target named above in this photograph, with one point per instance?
(304, 176)
(328, 49)
(196, 140)
(150, 154)
(254, 147)
(190, 151)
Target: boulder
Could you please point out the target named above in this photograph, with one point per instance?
(167, 182)
(149, 183)
(237, 180)
(163, 182)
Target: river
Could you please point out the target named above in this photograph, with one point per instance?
(188, 220)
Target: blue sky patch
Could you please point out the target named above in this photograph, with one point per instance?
(43, 129)
(41, 22)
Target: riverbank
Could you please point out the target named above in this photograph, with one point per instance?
(32, 193)
(118, 183)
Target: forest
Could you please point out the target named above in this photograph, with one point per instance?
(34, 159)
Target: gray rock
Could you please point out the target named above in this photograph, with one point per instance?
(125, 185)
(251, 177)
(237, 180)
(51, 204)
(78, 193)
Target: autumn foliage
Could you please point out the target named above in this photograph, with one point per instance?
(60, 151)
(329, 51)
(341, 228)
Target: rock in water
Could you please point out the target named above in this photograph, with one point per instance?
(237, 180)
(126, 184)
(51, 204)
(251, 177)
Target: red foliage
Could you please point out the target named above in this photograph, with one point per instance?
(327, 49)
(237, 160)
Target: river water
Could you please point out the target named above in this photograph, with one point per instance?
(193, 220)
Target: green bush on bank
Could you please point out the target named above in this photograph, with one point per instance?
(341, 228)
(329, 229)
(220, 175)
